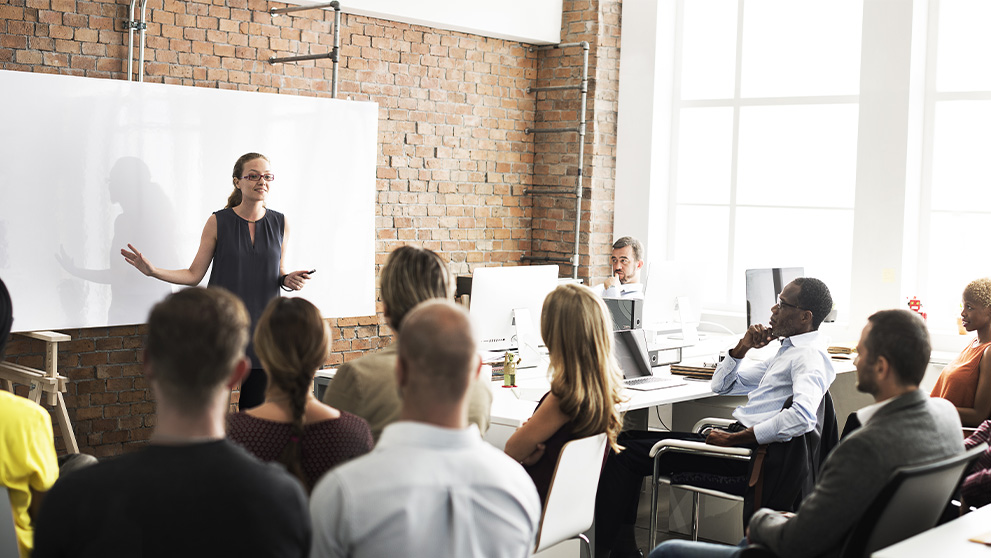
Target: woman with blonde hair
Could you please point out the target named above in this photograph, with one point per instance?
(966, 382)
(292, 426)
(585, 383)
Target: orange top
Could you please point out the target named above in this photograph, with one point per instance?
(958, 380)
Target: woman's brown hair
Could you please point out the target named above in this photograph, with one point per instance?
(292, 340)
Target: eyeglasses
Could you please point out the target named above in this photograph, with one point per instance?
(783, 304)
(255, 177)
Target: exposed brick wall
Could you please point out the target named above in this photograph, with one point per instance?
(556, 164)
(453, 162)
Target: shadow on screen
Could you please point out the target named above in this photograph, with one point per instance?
(148, 222)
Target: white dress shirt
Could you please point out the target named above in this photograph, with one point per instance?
(623, 290)
(426, 491)
(801, 369)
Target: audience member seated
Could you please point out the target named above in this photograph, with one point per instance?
(585, 388)
(800, 373)
(291, 426)
(903, 427)
(432, 486)
(28, 467)
(367, 386)
(966, 382)
(976, 488)
(627, 265)
(190, 492)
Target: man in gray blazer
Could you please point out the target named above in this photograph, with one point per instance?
(903, 427)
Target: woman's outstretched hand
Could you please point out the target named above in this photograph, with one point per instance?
(138, 260)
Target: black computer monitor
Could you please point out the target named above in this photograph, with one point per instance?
(763, 288)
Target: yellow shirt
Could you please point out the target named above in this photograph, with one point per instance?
(27, 459)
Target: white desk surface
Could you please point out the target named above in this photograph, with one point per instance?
(513, 406)
(949, 539)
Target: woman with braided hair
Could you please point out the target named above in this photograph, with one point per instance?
(292, 426)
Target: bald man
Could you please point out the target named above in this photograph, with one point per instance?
(432, 486)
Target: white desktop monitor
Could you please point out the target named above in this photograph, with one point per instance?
(763, 288)
(497, 291)
(675, 293)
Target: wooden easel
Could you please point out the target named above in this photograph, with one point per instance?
(45, 382)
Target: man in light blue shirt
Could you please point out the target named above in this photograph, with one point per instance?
(784, 396)
(432, 486)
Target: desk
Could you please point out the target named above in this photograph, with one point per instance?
(949, 539)
(511, 407)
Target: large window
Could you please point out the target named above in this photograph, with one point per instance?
(764, 150)
(956, 185)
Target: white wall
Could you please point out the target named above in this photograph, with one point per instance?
(91, 165)
(527, 21)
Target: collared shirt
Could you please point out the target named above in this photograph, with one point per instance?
(864, 414)
(623, 290)
(801, 369)
(426, 491)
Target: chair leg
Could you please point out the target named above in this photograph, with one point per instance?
(695, 516)
(652, 537)
(584, 544)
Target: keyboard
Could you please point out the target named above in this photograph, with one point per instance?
(648, 383)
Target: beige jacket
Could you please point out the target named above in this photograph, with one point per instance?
(367, 387)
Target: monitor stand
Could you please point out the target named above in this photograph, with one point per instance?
(527, 340)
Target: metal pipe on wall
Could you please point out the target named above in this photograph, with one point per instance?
(141, 49)
(580, 129)
(581, 157)
(337, 47)
(334, 54)
(130, 41)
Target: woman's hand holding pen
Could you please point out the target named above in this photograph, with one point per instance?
(297, 279)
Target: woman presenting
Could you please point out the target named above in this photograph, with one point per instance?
(247, 243)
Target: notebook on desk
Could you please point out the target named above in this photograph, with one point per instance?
(694, 372)
(630, 348)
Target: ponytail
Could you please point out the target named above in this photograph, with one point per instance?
(292, 341)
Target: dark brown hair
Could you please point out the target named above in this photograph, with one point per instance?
(234, 199)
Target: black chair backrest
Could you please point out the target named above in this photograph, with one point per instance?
(910, 503)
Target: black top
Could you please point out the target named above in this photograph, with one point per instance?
(324, 445)
(543, 470)
(251, 271)
(202, 499)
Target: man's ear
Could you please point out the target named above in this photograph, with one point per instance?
(478, 370)
(241, 370)
(882, 369)
(639, 264)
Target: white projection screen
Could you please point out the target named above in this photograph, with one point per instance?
(89, 165)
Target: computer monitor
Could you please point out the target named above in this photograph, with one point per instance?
(497, 291)
(630, 350)
(674, 301)
(763, 288)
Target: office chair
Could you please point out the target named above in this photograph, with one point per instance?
(570, 506)
(731, 489)
(792, 473)
(911, 502)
